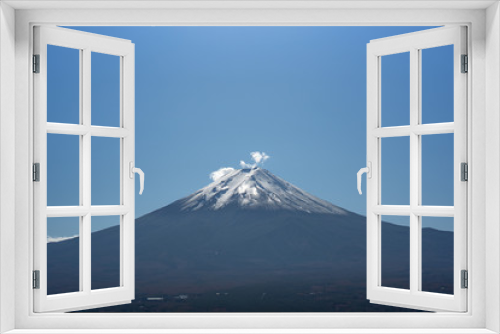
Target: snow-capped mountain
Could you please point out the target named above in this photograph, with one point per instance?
(255, 188)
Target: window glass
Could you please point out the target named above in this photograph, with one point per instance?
(63, 170)
(437, 169)
(437, 84)
(106, 171)
(395, 170)
(105, 90)
(63, 85)
(395, 252)
(63, 255)
(395, 89)
(105, 252)
(437, 254)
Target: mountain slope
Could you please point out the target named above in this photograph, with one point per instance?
(255, 188)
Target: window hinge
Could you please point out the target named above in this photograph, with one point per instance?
(36, 279)
(465, 279)
(36, 172)
(464, 170)
(465, 64)
(36, 63)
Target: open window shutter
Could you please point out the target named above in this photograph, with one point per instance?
(86, 296)
(414, 44)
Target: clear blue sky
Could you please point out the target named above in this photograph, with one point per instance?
(208, 96)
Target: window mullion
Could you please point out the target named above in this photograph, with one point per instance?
(81, 202)
(122, 180)
(415, 253)
(85, 164)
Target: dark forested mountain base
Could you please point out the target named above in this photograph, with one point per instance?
(339, 296)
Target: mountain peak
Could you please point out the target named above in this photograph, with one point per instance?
(255, 188)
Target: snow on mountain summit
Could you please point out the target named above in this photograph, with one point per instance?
(255, 188)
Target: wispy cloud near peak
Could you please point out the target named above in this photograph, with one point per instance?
(215, 175)
(258, 159)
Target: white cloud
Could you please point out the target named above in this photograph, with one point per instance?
(220, 173)
(243, 164)
(59, 239)
(258, 158)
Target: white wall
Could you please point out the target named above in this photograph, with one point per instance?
(492, 163)
(7, 164)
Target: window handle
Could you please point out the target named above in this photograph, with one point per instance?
(139, 171)
(368, 171)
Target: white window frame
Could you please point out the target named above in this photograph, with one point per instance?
(16, 125)
(86, 44)
(414, 43)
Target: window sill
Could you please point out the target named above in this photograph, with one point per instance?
(251, 331)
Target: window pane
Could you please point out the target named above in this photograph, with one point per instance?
(105, 171)
(63, 85)
(105, 252)
(437, 170)
(396, 251)
(437, 254)
(395, 171)
(437, 84)
(63, 170)
(395, 90)
(105, 90)
(63, 255)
